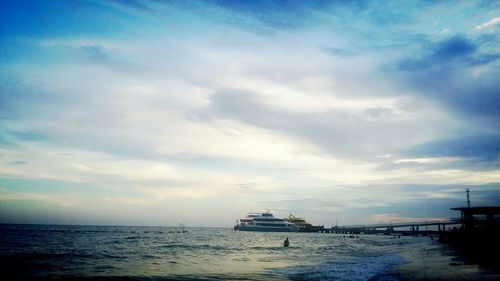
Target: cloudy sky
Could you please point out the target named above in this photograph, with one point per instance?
(164, 112)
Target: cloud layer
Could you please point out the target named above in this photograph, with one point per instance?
(355, 111)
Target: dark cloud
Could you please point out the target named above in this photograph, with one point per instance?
(457, 49)
(459, 89)
(454, 47)
(17, 162)
(378, 112)
(484, 59)
(448, 73)
(406, 200)
(425, 203)
(474, 146)
(95, 52)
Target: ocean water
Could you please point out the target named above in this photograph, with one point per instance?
(44, 252)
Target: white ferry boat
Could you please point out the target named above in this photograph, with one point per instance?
(264, 222)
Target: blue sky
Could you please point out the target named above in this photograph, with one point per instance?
(164, 112)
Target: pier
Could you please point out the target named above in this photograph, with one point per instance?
(472, 220)
(480, 222)
(402, 228)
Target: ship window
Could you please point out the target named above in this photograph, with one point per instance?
(266, 219)
(271, 224)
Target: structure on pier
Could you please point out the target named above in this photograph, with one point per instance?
(479, 218)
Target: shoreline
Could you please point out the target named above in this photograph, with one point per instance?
(437, 261)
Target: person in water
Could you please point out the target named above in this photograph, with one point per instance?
(286, 243)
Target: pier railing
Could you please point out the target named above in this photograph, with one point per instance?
(403, 228)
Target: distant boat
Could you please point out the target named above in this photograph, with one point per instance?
(265, 222)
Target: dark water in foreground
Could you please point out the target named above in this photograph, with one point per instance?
(160, 253)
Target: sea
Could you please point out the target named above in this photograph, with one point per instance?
(57, 252)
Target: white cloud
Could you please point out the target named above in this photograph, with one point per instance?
(428, 160)
(494, 21)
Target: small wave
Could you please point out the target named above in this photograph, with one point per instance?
(375, 268)
(112, 256)
(269, 248)
(103, 267)
(241, 277)
(195, 247)
(49, 256)
(148, 256)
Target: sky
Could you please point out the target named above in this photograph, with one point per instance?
(137, 112)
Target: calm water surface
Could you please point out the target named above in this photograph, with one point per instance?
(160, 253)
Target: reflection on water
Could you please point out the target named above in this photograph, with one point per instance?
(31, 251)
